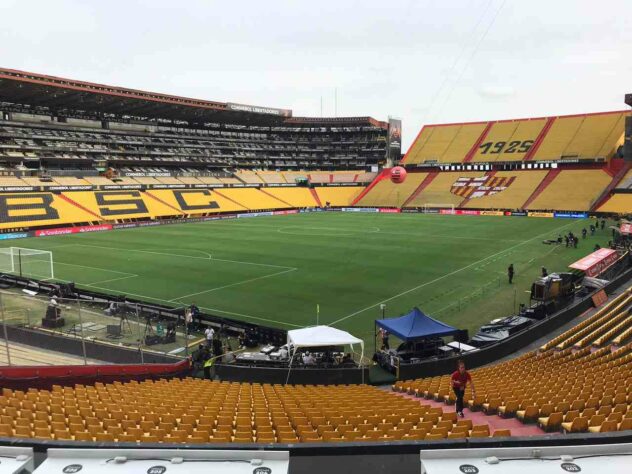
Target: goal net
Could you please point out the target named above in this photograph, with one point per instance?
(436, 207)
(30, 263)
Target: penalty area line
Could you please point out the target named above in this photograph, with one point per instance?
(233, 284)
(410, 290)
(161, 300)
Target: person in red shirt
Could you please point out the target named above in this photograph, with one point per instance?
(460, 378)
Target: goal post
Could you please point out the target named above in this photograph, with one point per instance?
(25, 262)
(430, 206)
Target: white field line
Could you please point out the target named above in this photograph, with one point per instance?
(208, 256)
(233, 284)
(231, 313)
(131, 275)
(410, 290)
(93, 268)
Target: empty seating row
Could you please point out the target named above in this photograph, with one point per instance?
(200, 411)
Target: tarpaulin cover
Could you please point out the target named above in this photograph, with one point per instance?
(415, 325)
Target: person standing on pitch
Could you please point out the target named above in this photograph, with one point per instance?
(510, 273)
(460, 378)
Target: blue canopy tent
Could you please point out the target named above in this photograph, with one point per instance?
(416, 325)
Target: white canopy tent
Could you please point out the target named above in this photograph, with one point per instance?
(321, 336)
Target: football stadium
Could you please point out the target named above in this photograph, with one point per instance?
(246, 289)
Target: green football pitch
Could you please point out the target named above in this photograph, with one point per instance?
(276, 270)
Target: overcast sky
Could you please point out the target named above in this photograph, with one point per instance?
(424, 61)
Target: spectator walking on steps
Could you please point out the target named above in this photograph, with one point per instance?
(510, 273)
(460, 378)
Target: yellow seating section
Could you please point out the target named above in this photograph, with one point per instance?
(620, 203)
(31, 209)
(271, 177)
(438, 191)
(338, 196)
(146, 180)
(99, 181)
(574, 190)
(249, 177)
(34, 181)
(202, 198)
(209, 180)
(583, 373)
(189, 180)
(117, 205)
(583, 136)
(387, 193)
(592, 329)
(252, 198)
(11, 181)
(626, 182)
(70, 181)
(319, 177)
(345, 176)
(366, 177)
(444, 143)
(510, 140)
(296, 197)
(230, 180)
(292, 176)
(515, 195)
(169, 180)
(200, 411)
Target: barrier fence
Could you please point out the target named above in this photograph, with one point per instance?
(121, 325)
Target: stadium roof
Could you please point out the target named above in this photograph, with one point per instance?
(61, 94)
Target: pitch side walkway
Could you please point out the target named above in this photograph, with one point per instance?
(495, 422)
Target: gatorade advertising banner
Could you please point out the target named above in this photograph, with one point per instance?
(540, 214)
(492, 213)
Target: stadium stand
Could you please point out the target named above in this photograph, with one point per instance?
(337, 196)
(252, 198)
(572, 190)
(508, 140)
(439, 190)
(586, 136)
(116, 205)
(444, 143)
(514, 195)
(40, 209)
(619, 203)
(201, 411)
(295, 197)
(583, 136)
(197, 201)
(271, 177)
(386, 193)
(579, 381)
